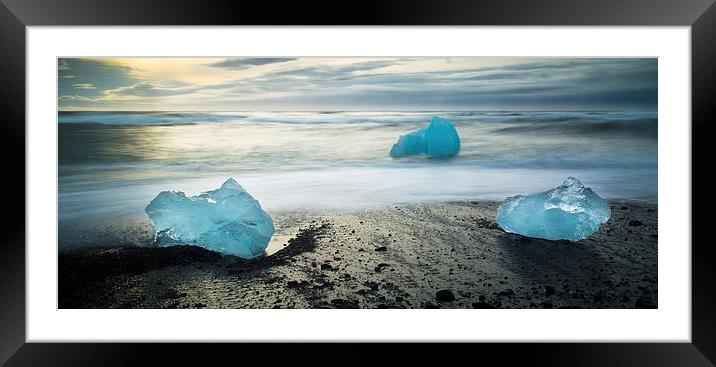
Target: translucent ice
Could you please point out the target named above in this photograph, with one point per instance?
(568, 212)
(227, 220)
(438, 139)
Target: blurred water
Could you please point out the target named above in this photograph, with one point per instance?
(111, 164)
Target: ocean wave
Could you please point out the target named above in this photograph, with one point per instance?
(143, 118)
(338, 117)
(644, 128)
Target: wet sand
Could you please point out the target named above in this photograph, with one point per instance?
(437, 255)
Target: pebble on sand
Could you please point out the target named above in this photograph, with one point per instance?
(444, 295)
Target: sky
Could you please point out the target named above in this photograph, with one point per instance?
(357, 84)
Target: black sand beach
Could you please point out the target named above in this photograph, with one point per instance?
(443, 255)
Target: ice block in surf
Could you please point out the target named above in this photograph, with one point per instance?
(439, 139)
(226, 220)
(568, 212)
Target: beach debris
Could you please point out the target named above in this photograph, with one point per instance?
(567, 212)
(226, 220)
(439, 139)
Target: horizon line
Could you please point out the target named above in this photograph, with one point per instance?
(336, 111)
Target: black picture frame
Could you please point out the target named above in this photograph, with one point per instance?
(16, 15)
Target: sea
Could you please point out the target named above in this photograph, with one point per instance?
(111, 164)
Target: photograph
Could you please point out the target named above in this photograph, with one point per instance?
(357, 182)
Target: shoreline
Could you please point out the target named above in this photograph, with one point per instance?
(429, 255)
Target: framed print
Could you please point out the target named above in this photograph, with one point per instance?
(452, 173)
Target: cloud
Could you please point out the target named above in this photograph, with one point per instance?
(145, 89)
(63, 65)
(247, 62)
(84, 86)
(141, 91)
(374, 84)
(76, 98)
(336, 72)
(89, 78)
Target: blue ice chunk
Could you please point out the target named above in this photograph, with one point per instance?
(411, 143)
(568, 212)
(439, 139)
(226, 220)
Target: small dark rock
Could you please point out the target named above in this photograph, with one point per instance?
(326, 267)
(507, 292)
(549, 290)
(343, 303)
(444, 295)
(381, 248)
(380, 267)
(635, 223)
(482, 305)
(296, 284)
